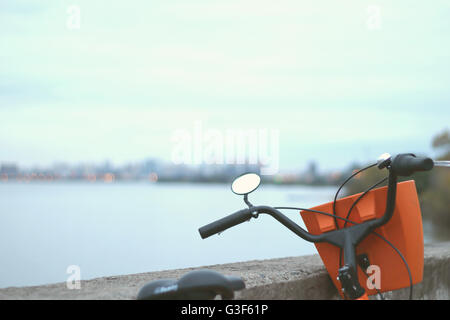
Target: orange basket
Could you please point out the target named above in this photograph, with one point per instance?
(404, 231)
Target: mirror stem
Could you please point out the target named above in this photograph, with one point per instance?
(246, 201)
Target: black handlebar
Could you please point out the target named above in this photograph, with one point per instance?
(402, 165)
(406, 164)
(225, 223)
(246, 214)
(346, 238)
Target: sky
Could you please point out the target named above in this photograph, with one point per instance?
(342, 82)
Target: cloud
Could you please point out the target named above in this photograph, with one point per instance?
(132, 73)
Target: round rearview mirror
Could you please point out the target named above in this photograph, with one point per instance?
(246, 183)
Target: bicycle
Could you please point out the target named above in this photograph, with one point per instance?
(330, 232)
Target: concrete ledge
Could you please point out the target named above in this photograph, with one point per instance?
(286, 278)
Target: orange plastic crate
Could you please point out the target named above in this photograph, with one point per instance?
(404, 231)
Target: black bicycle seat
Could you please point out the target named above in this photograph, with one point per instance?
(195, 285)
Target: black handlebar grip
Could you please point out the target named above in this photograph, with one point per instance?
(407, 163)
(225, 223)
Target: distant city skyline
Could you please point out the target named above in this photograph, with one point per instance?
(153, 170)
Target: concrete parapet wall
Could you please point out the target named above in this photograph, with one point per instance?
(302, 277)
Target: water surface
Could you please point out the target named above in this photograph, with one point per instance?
(129, 228)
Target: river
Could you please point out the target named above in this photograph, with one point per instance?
(120, 228)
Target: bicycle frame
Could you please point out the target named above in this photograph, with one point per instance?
(347, 238)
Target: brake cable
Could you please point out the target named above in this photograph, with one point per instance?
(353, 205)
(375, 233)
(348, 215)
(342, 185)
